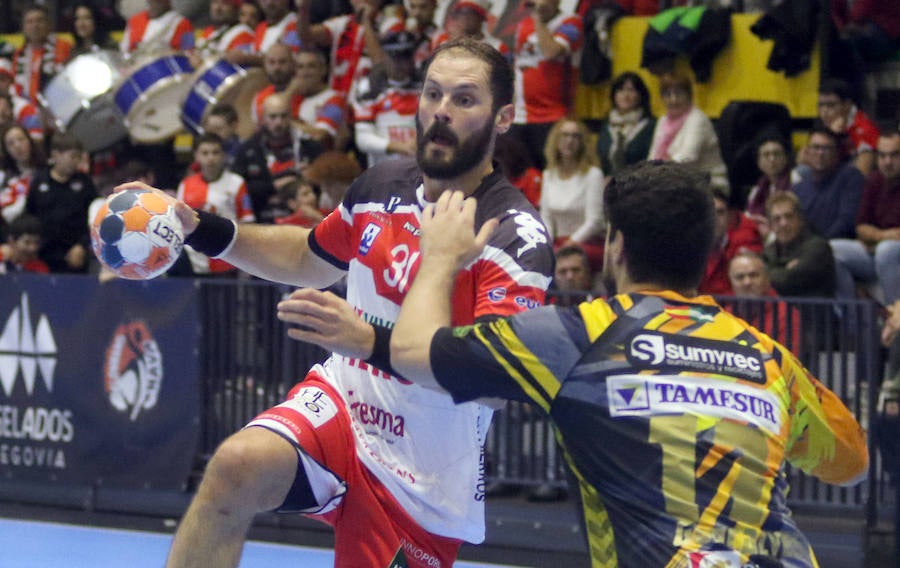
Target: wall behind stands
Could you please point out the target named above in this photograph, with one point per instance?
(739, 73)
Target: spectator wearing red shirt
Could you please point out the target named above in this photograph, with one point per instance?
(749, 278)
(42, 56)
(301, 197)
(544, 54)
(158, 28)
(735, 232)
(226, 37)
(839, 113)
(22, 245)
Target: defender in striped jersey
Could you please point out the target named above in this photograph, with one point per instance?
(396, 469)
(676, 417)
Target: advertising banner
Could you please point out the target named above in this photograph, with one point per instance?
(98, 382)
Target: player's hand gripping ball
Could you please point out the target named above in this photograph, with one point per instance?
(137, 234)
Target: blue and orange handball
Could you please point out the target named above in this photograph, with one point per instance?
(137, 234)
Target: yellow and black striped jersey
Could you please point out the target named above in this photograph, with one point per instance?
(676, 417)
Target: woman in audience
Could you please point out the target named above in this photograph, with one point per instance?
(774, 160)
(90, 30)
(21, 159)
(685, 134)
(626, 134)
(572, 190)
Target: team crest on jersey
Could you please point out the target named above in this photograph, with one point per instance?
(369, 234)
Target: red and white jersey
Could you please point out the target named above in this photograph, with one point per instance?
(347, 60)
(389, 117)
(27, 115)
(266, 92)
(168, 31)
(545, 88)
(227, 197)
(215, 42)
(326, 110)
(268, 35)
(424, 448)
(13, 191)
(35, 66)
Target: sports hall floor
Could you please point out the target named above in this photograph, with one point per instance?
(520, 534)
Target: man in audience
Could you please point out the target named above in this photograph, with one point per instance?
(385, 113)
(874, 256)
(60, 196)
(271, 157)
(735, 232)
(829, 189)
(23, 244)
(158, 29)
(467, 18)
(226, 37)
(280, 66)
(321, 116)
(278, 26)
(222, 120)
(546, 49)
(573, 277)
(352, 40)
(420, 20)
(800, 263)
(216, 190)
(749, 278)
(858, 133)
(42, 55)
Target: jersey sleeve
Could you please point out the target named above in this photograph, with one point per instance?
(516, 267)
(519, 358)
(825, 439)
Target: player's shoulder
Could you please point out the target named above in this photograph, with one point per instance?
(392, 183)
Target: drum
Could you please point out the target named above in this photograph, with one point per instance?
(222, 82)
(150, 96)
(79, 99)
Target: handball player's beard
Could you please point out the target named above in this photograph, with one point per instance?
(462, 157)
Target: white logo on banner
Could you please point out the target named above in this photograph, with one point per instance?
(27, 348)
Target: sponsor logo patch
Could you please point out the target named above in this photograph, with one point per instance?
(651, 350)
(315, 405)
(497, 294)
(655, 395)
(368, 238)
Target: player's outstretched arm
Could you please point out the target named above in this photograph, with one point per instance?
(448, 243)
(279, 253)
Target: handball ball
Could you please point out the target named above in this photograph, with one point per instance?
(137, 234)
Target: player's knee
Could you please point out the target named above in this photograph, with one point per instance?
(249, 470)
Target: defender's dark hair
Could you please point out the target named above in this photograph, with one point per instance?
(664, 211)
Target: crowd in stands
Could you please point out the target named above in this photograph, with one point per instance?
(336, 89)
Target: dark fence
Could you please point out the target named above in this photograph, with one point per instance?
(246, 364)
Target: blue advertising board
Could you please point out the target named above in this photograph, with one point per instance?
(98, 382)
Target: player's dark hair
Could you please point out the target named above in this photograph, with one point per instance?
(226, 111)
(664, 211)
(25, 224)
(208, 138)
(500, 73)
